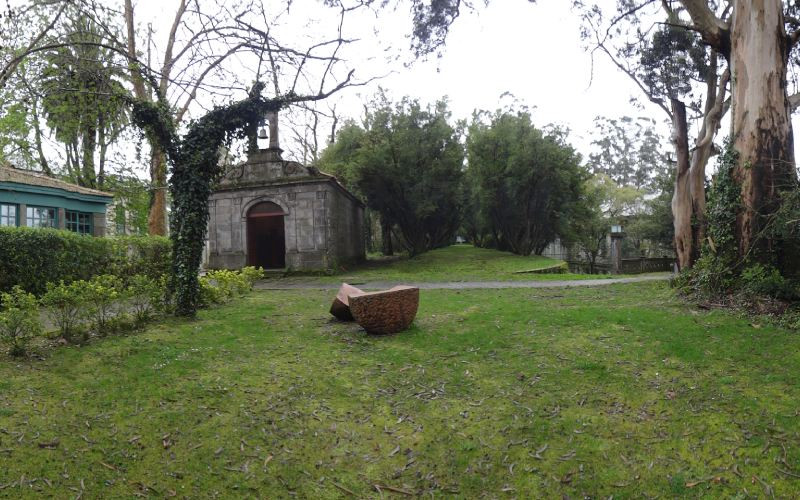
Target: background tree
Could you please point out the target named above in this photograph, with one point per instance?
(651, 228)
(523, 180)
(131, 203)
(406, 161)
(25, 29)
(601, 204)
(629, 150)
(15, 127)
(83, 99)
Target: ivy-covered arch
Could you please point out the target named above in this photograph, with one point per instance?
(194, 164)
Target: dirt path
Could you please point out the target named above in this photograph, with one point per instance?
(460, 285)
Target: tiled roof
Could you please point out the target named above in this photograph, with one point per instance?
(11, 174)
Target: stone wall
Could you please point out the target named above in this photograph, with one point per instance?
(320, 226)
(347, 228)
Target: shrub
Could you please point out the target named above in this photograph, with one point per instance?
(122, 322)
(252, 274)
(67, 305)
(221, 285)
(19, 320)
(146, 255)
(209, 293)
(165, 301)
(766, 281)
(102, 294)
(146, 296)
(35, 256)
(228, 283)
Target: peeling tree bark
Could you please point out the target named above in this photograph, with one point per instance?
(714, 109)
(682, 198)
(761, 124)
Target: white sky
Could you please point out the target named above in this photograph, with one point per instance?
(532, 51)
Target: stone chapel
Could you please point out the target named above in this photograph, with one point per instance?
(280, 214)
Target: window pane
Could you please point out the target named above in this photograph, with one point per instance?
(8, 215)
(41, 217)
(79, 222)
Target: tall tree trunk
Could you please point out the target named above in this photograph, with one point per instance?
(682, 198)
(88, 176)
(712, 116)
(761, 125)
(101, 165)
(157, 218)
(38, 139)
(386, 237)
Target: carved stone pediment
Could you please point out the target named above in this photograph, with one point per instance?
(265, 166)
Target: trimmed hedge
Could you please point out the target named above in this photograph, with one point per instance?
(32, 257)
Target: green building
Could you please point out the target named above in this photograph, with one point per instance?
(35, 200)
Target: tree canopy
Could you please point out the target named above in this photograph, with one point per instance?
(522, 181)
(406, 161)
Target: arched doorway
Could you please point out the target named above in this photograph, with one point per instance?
(266, 241)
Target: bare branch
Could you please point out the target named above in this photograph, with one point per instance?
(11, 66)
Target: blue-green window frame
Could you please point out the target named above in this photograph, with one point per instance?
(78, 226)
(4, 217)
(29, 218)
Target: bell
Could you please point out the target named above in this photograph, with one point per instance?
(262, 133)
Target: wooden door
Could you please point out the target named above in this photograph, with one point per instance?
(266, 238)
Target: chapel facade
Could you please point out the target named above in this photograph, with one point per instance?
(279, 214)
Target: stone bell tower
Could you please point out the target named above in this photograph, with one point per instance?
(268, 133)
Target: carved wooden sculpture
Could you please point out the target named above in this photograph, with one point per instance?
(341, 304)
(388, 311)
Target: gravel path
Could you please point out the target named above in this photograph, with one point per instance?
(460, 285)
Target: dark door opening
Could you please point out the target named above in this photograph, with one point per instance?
(266, 240)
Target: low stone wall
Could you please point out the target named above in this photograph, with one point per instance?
(646, 265)
(627, 266)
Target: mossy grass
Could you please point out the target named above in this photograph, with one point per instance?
(619, 390)
(453, 263)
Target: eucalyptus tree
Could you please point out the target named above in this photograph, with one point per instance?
(755, 43)
(629, 151)
(194, 47)
(676, 72)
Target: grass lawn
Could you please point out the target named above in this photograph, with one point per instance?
(618, 390)
(453, 263)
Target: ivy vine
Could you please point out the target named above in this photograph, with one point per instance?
(194, 164)
(714, 272)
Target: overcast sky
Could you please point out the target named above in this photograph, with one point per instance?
(532, 51)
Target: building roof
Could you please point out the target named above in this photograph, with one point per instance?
(340, 186)
(18, 176)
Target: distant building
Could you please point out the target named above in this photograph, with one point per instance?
(35, 200)
(278, 214)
